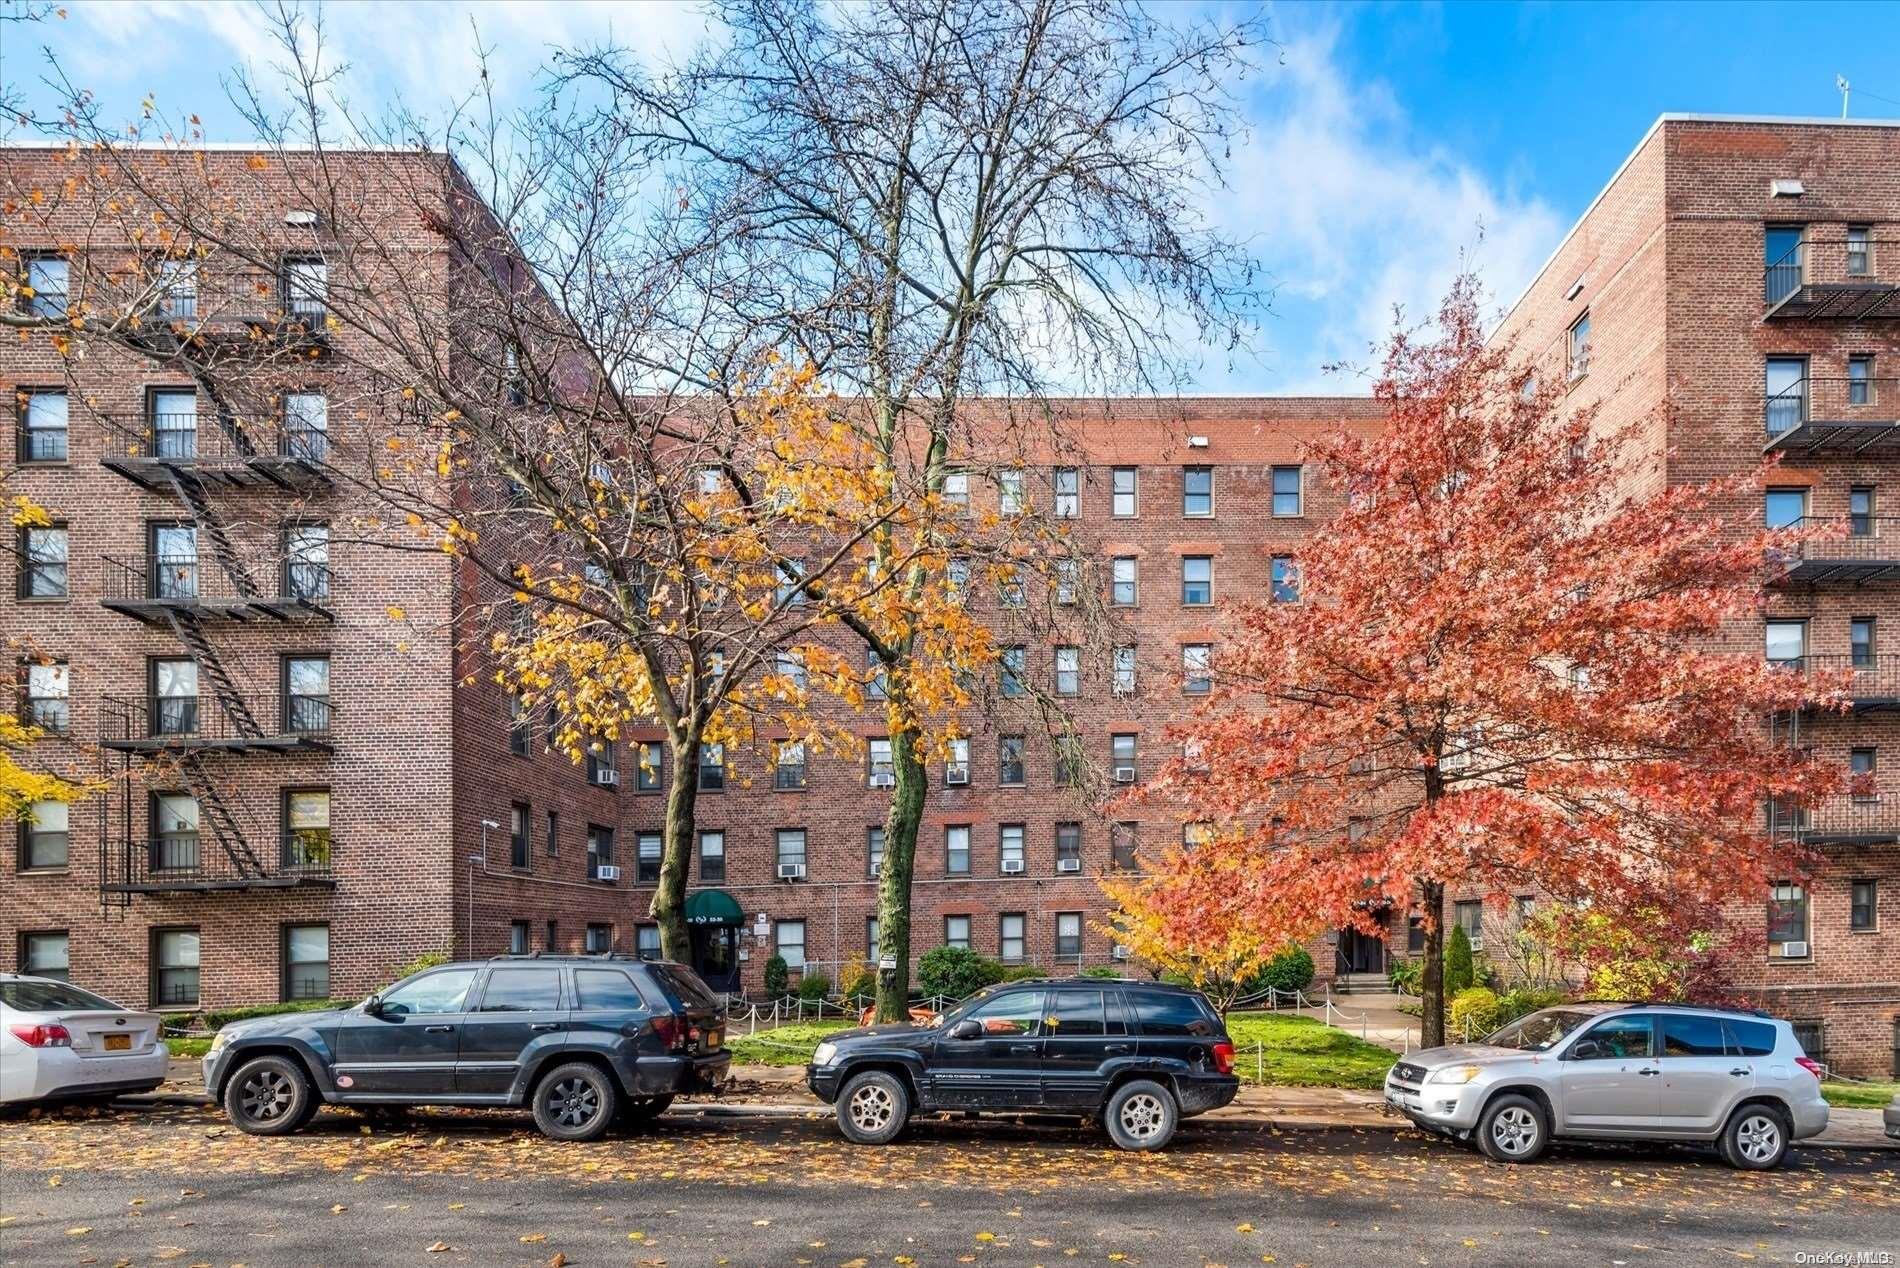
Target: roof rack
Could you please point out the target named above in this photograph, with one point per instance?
(1677, 1005)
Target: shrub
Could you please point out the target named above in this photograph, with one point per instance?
(1459, 971)
(218, 1018)
(857, 978)
(1474, 1012)
(1291, 970)
(1102, 970)
(1406, 976)
(777, 976)
(427, 960)
(813, 985)
(1514, 1004)
(956, 972)
(1018, 972)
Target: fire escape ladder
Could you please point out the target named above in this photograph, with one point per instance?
(214, 814)
(191, 633)
(192, 494)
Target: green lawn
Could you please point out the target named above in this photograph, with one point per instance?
(192, 1048)
(1301, 1052)
(1859, 1095)
(787, 1045)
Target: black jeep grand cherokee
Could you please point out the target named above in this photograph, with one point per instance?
(581, 1040)
(1139, 1056)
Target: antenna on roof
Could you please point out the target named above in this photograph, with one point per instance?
(1840, 82)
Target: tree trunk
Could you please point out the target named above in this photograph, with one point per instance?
(669, 898)
(1431, 986)
(893, 887)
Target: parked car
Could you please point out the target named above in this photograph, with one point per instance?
(581, 1041)
(1891, 1117)
(1138, 1056)
(1620, 1072)
(58, 1041)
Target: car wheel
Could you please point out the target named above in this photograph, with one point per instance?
(1756, 1138)
(641, 1110)
(1141, 1115)
(873, 1108)
(269, 1096)
(1513, 1129)
(575, 1102)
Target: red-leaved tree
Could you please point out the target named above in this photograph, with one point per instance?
(1508, 667)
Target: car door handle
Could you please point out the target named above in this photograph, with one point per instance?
(1116, 1049)
(1022, 1049)
(545, 1025)
(1738, 1073)
(437, 1030)
(1649, 1073)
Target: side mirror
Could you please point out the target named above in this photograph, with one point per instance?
(968, 1028)
(373, 1006)
(1587, 1050)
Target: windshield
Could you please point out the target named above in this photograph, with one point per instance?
(49, 997)
(1540, 1031)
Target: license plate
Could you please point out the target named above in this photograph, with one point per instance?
(712, 1038)
(118, 1043)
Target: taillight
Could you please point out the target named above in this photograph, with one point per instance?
(44, 1035)
(1812, 1066)
(1224, 1057)
(670, 1029)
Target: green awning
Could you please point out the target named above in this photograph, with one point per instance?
(713, 907)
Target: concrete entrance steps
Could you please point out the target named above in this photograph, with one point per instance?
(1361, 984)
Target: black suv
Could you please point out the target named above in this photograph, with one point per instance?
(1139, 1056)
(580, 1040)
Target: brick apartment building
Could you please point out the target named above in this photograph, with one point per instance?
(1749, 270)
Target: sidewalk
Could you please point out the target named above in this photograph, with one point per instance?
(779, 1091)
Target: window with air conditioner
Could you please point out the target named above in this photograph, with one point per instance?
(873, 850)
(1788, 921)
(880, 772)
(791, 853)
(1009, 847)
(956, 763)
(1068, 847)
(600, 850)
(1121, 757)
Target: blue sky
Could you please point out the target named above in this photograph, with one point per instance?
(1383, 135)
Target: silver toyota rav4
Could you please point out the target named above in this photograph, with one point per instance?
(1620, 1072)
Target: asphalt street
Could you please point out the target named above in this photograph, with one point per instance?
(175, 1185)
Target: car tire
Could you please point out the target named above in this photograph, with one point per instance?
(1513, 1129)
(1141, 1115)
(639, 1111)
(1755, 1139)
(576, 1101)
(269, 1096)
(873, 1108)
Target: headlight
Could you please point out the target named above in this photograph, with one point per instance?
(1454, 1074)
(219, 1040)
(824, 1053)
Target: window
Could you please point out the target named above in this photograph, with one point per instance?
(178, 286)
(1070, 763)
(172, 561)
(956, 491)
(788, 764)
(175, 967)
(174, 704)
(551, 939)
(1068, 671)
(1121, 757)
(646, 941)
(599, 939)
(1197, 491)
(1123, 575)
(709, 481)
(650, 763)
(600, 849)
(1860, 380)
(1079, 1013)
(306, 427)
(1124, 483)
(1122, 842)
(1787, 918)
(1009, 759)
(1286, 492)
(956, 581)
(1784, 508)
(517, 725)
(1580, 347)
(1469, 916)
(1197, 580)
(46, 278)
(1785, 388)
(956, 765)
(956, 932)
(712, 857)
(1785, 642)
(174, 424)
(789, 938)
(1069, 936)
(517, 937)
(1860, 637)
(43, 563)
(1010, 591)
(1684, 1035)
(1066, 571)
(1860, 250)
(1197, 834)
(1861, 764)
(791, 846)
(45, 836)
(1068, 486)
(518, 819)
(877, 678)
(1011, 668)
(1286, 580)
(1124, 662)
(956, 851)
(1863, 905)
(1860, 511)
(1624, 1038)
(648, 849)
(873, 852)
(1009, 492)
(878, 771)
(791, 583)
(307, 828)
(791, 667)
(1197, 668)
(1170, 1014)
(1009, 847)
(43, 428)
(48, 697)
(307, 562)
(48, 954)
(1414, 934)
(1009, 946)
(174, 832)
(306, 286)
(1748, 1038)
(712, 767)
(1068, 845)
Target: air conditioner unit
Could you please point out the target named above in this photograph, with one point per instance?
(956, 778)
(1068, 865)
(1124, 774)
(1118, 952)
(607, 777)
(1794, 950)
(1012, 865)
(606, 872)
(791, 871)
(882, 779)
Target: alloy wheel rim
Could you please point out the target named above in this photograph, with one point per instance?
(1759, 1137)
(265, 1095)
(1514, 1130)
(872, 1108)
(1141, 1116)
(574, 1102)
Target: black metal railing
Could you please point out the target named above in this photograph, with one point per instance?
(1810, 412)
(1870, 542)
(195, 860)
(1852, 276)
(1851, 817)
(194, 439)
(185, 580)
(1868, 676)
(194, 721)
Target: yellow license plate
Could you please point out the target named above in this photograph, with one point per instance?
(118, 1043)
(712, 1039)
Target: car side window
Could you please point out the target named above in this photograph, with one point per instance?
(1749, 1038)
(608, 989)
(1687, 1036)
(1014, 1014)
(1171, 1014)
(521, 991)
(1077, 1014)
(442, 992)
(1618, 1039)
